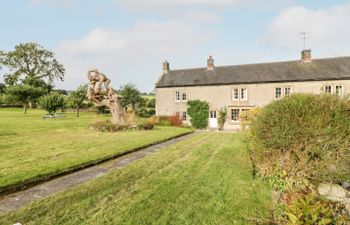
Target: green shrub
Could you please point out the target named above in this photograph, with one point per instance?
(53, 102)
(199, 113)
(222, 118)
(306, 135)
(145, 126)
(161, 120)
(107, 126)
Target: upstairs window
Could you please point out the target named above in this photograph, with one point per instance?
(339, 90)
(234, 114)
(244, 94)
(177, 96)
(328, 89)
(235, 94)
(184, 96)
(278, 92)
(287, 91)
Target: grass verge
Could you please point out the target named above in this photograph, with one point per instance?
(33, 149)
(203, 180)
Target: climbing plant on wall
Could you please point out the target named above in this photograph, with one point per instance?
(199, 113)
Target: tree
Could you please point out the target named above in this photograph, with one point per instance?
(78, 97)
(31, 64)
(131, 96)
(52, 102)
(2, 88)
(222, 118)
(24, 94)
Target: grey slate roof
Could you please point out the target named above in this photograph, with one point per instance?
(290, 71)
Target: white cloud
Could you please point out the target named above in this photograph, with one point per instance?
(125, 54)
(329, 30)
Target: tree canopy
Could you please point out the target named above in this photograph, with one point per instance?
(131, 96)
(31, 64)
(78, 97)
(52, 102)
(24, 94)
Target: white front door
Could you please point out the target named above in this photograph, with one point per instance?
(213, 121)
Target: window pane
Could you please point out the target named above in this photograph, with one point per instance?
(235, 94)
(328, 89)
(287, 91)
(244, 94)
(177, 96)
(234, 114)
(278, 92)
(184, 96)
(184, 116)
(339, 90)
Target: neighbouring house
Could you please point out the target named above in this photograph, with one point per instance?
(243, 87)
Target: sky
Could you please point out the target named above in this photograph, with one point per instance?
(129, 39)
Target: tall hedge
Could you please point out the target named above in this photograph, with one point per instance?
(306, 135)
(199, 113)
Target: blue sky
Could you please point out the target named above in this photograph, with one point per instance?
(129, 39)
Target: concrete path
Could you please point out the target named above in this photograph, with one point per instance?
(17, 200)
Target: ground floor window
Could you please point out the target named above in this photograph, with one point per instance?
(234, 114)
(184, 116)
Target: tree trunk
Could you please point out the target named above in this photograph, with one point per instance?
(77, 111)
(25, 108)
(117, 113)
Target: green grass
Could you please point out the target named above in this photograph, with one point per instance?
(32, 148)
(206, 179)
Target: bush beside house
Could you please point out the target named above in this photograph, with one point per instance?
(296, 144)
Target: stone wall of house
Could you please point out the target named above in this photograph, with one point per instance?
(221, 96)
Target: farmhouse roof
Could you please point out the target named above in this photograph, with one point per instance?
(289, 71)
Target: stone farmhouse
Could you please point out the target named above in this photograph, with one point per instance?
(242, 87)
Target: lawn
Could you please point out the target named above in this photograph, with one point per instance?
(206, 179)
(32, 148)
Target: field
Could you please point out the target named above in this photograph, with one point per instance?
(32, 148)
(206, 179)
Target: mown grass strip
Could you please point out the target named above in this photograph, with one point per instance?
(203, 180)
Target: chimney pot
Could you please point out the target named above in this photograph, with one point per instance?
(306, 56)
(166, 67)
(210, 63)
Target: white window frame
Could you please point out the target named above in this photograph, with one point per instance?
(325, 87)
(184, 116)
(234, 94)
(177, 94)
(281, 92)
(246, 94)
(290, 90)
(342, 90)
(232, 119)
(182, 96)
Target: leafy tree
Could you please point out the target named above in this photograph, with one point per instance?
(199, 113)
(31, 64)
(52, 102)
(2, 88)
(78, 97)
(151, 103)
(131, 96)
(24, 94)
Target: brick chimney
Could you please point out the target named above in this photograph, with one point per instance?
(166, 67)
(306, 56)
(210, 63)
